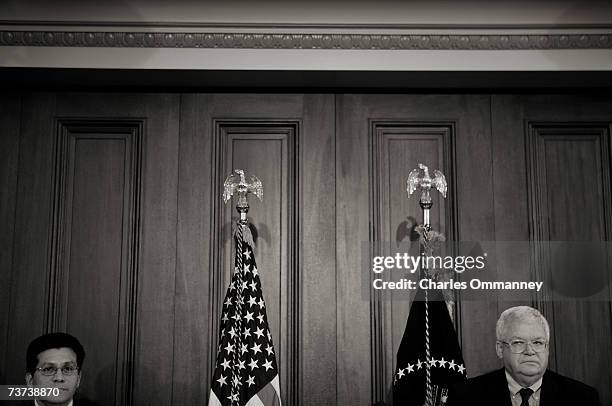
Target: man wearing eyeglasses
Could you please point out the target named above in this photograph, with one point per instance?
(522, 341)
(54, 361)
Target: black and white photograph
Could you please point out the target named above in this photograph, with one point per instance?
(344, 203)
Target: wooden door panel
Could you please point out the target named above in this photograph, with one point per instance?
(117, 231)
(266, 136)
(564, 143)
(95, 240)
(86, 161)
(401, 147)
(148, 124)
(268, 151)
(570, 188)
(393, 133)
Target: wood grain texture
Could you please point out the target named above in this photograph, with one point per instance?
(477, 223)
(10, 114)
(267, 134)
(29, 287)
(154, 381)
(318, 327)
(334, 170)
(509, 193)
(268, 150)
(192, 333)
(155, 315)
(570, 187)
(565, 144)
(354, 358)
(398, 147)
(94, 243)
(469, 217)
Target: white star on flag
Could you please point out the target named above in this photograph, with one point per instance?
(259, 332)
(232, 332)
(253, 364)
(243, 336)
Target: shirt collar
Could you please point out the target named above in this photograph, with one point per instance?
(36, 403)
(515, 387)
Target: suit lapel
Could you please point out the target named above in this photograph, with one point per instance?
(549, 390)
(498, 391)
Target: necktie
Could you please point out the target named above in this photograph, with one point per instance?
(525, 394)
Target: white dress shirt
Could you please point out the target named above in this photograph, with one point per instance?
(515, 396)
(36, 403)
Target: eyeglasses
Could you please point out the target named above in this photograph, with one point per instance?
(66, 370)
(520, 346)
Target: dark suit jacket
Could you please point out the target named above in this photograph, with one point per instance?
(492, 390)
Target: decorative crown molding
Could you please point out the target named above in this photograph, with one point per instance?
(292, 40)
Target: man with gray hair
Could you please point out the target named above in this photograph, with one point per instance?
(522, 338)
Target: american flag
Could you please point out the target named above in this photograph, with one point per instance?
(246, 372)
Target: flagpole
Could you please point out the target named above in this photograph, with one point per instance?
(425, 183)
(236, 183)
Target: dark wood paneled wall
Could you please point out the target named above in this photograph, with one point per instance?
(397, 133)
(95, 241)
(113, 228)
(563, 166)
(10, 119)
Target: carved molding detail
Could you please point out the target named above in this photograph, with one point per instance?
(227, 131)
(381, 131)
(539, 210)
(346, 41)
(537, 134)
(131, 131)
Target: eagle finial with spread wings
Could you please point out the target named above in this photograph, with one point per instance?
(238, 182)
(425, 182)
